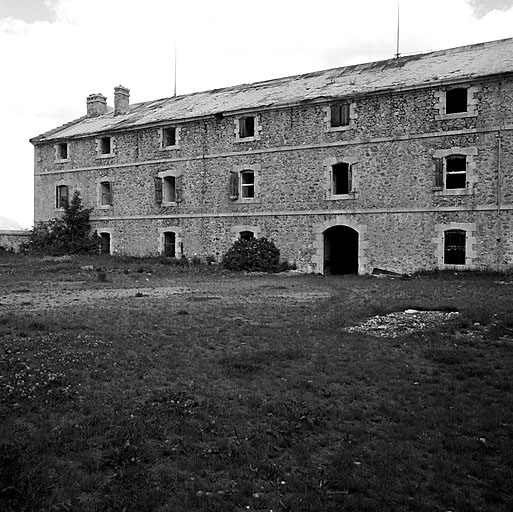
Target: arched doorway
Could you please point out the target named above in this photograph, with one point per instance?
(341, 250)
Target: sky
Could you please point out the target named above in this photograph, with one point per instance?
(54, 53)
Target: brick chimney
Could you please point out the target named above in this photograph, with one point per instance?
(96, 105)
(121, 100)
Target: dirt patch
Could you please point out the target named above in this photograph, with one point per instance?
(403, 323)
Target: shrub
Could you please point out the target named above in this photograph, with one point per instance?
(69, 234)
(252, 255)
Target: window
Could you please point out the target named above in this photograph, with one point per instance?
(105, 146)
(339, 115)
(455, 171)
(244, 183)
(247, 128)
(247, 184)
(61, 151)
(454, 247)
(170, 244)
(341, 179)
(106, 198)
(169, 137)
(61, 196)
(246, 235)
(456, 100)
(168, 188)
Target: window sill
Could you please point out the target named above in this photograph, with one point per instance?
(106, 155)
(337, 197)
(169, 148)
(246, 139)
(169, 203)
(105, 206)
(454, 192)
(246, 200)
(338, 128)
(456, 115)
(62, 160)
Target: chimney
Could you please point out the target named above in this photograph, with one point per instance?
(96, 105)
(121, 100)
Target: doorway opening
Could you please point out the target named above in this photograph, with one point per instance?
(170, 244)
(341, 250)
(104, 243)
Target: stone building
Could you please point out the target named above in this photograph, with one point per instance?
(402, 164)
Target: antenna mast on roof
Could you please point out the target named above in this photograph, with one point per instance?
(397, 54)
(174, 92)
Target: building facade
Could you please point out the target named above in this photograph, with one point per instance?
(404, 165)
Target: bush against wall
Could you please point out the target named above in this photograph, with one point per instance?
(69, 234)
(252, 255)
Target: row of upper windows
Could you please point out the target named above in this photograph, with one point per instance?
(452, 102)
(453, 174)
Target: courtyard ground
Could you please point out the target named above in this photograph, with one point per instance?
(141, 385)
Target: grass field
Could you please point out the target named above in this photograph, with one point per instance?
(146, 386)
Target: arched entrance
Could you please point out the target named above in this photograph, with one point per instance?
(341, 250)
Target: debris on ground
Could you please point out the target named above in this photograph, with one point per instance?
(402, 323)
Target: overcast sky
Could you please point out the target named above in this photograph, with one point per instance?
(54, 53)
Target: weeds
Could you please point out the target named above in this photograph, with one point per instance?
(258, 400)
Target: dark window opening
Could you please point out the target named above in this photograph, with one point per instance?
(169, 244)
(247, 184)
(339, 115)
(454, 247)
(169, 137)
(61, 196)
(62, 151)
(105, 193)
(169, 189)
(341, 179)
(105, 146)
(456, 100)
(246, 235)
(104, 243)
(456, 172)
(246, 127)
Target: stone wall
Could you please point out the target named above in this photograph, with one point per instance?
(11, 240)
(392, 144)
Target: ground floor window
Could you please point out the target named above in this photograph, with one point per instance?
(454, 247)
(246, 235)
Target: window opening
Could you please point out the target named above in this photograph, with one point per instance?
(105, 193)
(169, 189)
(247, 184)
(104, 243)
(454, 247)
(341, 179)
(456, 100)
(62, 151)
(246, 127)
(169, 135)
(246, 235)
(169, 244)
(105, 146)
(61, 196)
(339, 115)
(456, 172)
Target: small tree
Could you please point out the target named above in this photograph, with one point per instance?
(252, 255)
(69, 234)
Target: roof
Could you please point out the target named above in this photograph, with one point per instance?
(420, 70)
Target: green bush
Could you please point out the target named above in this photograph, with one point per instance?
(252, 255)
(69, 234)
